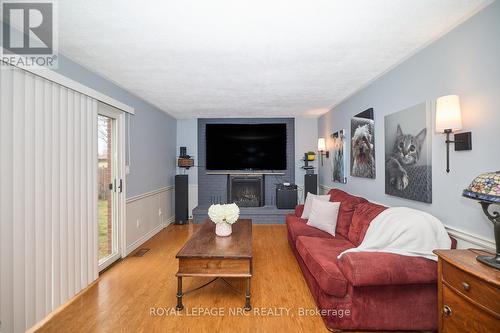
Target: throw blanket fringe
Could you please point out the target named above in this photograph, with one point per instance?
(404, 231)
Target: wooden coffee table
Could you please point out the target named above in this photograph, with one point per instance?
(208, 255)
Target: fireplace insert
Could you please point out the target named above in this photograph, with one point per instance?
(246, 191)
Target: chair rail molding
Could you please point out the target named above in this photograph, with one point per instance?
(148, 214)
(464, 239)
(150, 193)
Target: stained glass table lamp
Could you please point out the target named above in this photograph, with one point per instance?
(486, 189)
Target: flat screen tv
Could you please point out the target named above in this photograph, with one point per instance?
(246, 147)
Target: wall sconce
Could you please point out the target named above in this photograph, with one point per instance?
(322, 149)
(449, 120)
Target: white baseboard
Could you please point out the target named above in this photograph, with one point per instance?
(147, 214)
(132, 247)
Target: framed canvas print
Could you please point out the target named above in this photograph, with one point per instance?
(338, 157)
(363, 145)
(408, 156)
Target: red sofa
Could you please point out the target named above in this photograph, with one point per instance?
(368, 291)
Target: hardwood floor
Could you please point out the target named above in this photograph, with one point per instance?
(124, 296)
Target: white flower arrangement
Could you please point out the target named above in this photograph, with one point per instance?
(228, 213)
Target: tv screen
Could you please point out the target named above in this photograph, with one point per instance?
(246, 147)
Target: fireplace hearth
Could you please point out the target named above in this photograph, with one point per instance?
(246, 191)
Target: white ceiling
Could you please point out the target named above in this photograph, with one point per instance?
(229, 58)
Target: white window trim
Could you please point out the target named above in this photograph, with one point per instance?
(121, 200)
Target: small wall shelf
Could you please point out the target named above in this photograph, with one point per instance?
(185, 162)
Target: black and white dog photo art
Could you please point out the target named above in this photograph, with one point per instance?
(408, 166)
(338, 157)
(363, 145)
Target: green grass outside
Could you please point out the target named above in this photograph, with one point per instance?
(102, 214)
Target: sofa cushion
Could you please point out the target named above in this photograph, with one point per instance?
(324, 215)
(298, 227)
(299, 209)
(320, 257)
(347, 205)
(361, 219)
(379, 268)
(309, 203)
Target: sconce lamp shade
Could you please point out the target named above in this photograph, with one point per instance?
(321, 144)
(485, 187)
(448, 114)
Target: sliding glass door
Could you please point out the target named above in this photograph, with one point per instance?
(110, 187)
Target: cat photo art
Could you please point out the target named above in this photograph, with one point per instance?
(408, 166)
(405, 153)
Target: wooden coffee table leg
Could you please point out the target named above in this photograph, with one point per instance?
(248, 307)
(179, 294)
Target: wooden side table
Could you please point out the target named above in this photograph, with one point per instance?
(468, 293)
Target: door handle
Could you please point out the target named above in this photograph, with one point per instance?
(118, 188)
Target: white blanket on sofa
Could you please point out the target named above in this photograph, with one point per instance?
(404, 231)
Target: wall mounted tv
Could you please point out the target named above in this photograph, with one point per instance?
(246, 147)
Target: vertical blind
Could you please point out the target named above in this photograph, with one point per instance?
(48, 191)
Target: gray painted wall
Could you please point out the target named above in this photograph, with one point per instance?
(187, 136)
(152, 132)
(466, 62)
(306, 139)
(216, 185)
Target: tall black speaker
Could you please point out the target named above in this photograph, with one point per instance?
(310, 184)
(181, 199)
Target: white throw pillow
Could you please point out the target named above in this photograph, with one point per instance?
(324, 215)
(309, 199)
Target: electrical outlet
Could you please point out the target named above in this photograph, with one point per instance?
(159, 212)
(138, 223)
(127, 169)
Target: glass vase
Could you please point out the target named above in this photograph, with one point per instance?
(223, 229)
